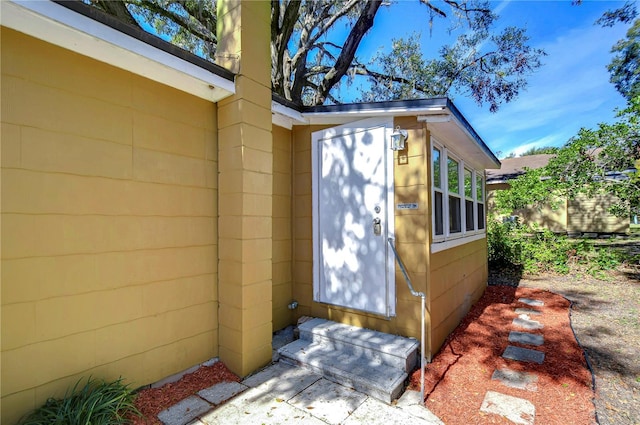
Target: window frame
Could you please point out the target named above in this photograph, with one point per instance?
(448, 238)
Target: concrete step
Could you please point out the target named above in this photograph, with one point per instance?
(369, 377)
(368, 361)
(393, 350)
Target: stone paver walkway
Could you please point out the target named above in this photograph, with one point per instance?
(515, 409)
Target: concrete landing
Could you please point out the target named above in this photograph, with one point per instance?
(358, 372)
(372, 362)
(283, 393)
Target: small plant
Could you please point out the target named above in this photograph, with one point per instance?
(96, 403)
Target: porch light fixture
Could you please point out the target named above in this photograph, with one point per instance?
(397, 139)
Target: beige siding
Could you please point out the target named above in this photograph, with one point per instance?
(109, 225)
(552, 217)
(458, 278)
(282, 228)
(592, 215)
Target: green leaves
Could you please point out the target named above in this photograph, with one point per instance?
(602, 160)
(96, 403)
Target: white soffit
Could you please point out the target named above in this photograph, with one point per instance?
(60, 26)
(451, 133)
(286, 117)
(344, 117)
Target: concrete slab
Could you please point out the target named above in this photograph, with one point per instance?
(517, 410)
(255, 407)
(411, 403)
(527, 324)
(523, 354)
(515, 379)
(526, 338)
(328, 401)
(222, 392)
(185, 411)
(528, 311)
(283, 379)
(374, 411)
(531, 302)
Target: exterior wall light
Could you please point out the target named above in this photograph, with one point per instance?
(397, 139)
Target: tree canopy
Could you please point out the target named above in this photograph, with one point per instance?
(310, 62)
(606, 159)
(625, 65)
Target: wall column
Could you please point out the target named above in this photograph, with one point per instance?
(245, 182)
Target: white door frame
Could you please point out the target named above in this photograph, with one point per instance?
(389, 228)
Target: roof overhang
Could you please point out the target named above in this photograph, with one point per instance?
(85, 30)
(443, 119)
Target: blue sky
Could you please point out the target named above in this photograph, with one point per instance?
(571, 90)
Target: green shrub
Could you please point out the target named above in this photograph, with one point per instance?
(96, 403)
(538, 250)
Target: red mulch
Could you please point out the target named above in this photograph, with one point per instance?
(152, 401)
(460, 374)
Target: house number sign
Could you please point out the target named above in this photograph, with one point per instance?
(407, 206)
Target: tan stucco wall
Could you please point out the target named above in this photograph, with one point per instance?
(410, 186)
(458, 278)
(282, 227)
(108, 225)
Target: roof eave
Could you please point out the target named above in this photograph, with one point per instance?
(82, 29)
(440, 114)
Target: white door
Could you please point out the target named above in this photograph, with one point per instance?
(353, 216)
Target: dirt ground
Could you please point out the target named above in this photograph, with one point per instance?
(605, 317)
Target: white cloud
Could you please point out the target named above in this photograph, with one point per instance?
(570, 91)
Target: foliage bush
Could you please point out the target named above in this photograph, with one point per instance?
(96, 403)
(538, 250)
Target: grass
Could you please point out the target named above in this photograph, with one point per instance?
(95, 403)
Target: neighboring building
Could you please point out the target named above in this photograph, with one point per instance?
(159, 210)
(582, 215)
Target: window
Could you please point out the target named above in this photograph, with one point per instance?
(480, 201)
(453, 179)
(458, 196)
(468, 200)
(438, 207)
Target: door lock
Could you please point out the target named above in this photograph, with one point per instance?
(377, 227)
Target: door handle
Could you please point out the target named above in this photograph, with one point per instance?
(377, 227)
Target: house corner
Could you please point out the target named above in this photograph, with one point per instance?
(245, 153)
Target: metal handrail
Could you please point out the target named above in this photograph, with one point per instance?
(422, 309)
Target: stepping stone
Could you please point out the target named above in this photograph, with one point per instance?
(530, 302)
(515, 379)
(526, 338)
(222, 392)
(185, 411)
(527, 311)
(523, 354)
(527, 324)
(517, 410)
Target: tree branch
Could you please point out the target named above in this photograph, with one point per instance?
(117, 9)
(362, 25)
